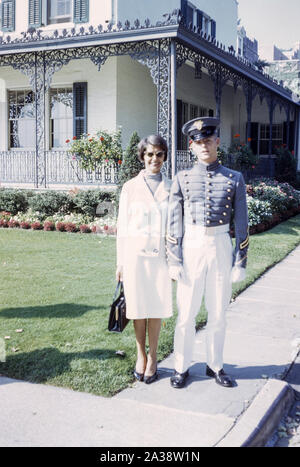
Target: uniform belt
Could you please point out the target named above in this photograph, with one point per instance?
(202, 230)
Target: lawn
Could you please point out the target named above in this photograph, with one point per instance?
(56, 288)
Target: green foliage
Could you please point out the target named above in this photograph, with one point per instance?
(87, 201)
(131, 165)
(13, 200)
(93, 152)
(238, 157)
(49, 202)
(285, 166)
(258, 211)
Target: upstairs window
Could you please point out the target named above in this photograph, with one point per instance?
(43, 12)
(8, 15)
(199, 19)
(59, 11)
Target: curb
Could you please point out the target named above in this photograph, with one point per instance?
(260, 420)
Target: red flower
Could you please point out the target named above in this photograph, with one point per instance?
(91, 139)
(105, 227)
(74, 137)
(253, 166)
(237, 135)
(119, 162)
(67, 140)
(101, 138)
(249, 140)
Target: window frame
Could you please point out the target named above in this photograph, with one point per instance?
(9, 120)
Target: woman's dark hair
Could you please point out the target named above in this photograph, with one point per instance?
(154, 140)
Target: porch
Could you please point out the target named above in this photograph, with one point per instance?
(19, 168)
(172, 71)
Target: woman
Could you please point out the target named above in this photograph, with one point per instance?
(141, 259)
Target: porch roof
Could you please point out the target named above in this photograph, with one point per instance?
(172, 27)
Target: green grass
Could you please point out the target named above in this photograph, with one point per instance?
(58, 288)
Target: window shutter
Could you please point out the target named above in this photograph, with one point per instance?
(254, 137)
(183, 7)
(179, 124)
(8, 15)
(35, 13)
(199, 19)
(189, 16)
(210, 113)
(81, 11)
(213, 29)
(79, 109)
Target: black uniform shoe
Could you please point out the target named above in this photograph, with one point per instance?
(220, 377)
(178, 379)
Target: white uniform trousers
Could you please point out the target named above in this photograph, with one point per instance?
(207, 263)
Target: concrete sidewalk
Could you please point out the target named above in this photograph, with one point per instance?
(262, 342)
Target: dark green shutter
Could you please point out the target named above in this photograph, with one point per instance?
(8, 15)
(199, 19)
(213, 29)
(179, 124)
(79, 109)
(35, 13)
(81, 11)
(254, 137)
(189, 16)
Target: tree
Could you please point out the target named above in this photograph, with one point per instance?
(131, 166)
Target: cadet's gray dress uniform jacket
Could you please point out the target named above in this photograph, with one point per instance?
(203, 200)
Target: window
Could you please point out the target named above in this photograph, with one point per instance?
(277, 137)
(21, 119)
(186, 112)
(7, 15)
(61, 116)
(43, 12)
(59, 11)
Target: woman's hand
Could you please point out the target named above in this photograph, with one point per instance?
(119, 274)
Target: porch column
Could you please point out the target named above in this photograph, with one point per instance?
(250, 94)
(288, 121)
(272, 105)
(38, 86)
(173, 110)
(297, 135)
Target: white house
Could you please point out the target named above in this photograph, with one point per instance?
(74, 66)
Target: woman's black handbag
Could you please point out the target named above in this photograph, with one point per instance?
(117, 321)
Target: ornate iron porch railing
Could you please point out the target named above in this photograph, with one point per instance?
(20, 167)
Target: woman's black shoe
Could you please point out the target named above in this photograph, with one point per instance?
(138, 376)
(151, 379)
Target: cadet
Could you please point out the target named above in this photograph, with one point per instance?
(199, 247)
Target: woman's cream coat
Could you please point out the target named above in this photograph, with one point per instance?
(141, 232)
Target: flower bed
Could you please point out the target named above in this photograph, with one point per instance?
(269, 203)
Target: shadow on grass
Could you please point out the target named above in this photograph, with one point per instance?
(41, 365)
(61, 310)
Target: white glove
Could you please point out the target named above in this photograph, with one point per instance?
(176, 272)
(238, 274)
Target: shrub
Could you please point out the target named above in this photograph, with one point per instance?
(37, 225)
(131, 165)
(3, 223)
(285, 165)
(13, 224)
(48, 203)
(25, 225)
(60, 226)
(70, 227)
(49, 225)
(87, 201)
(13, 200)
(258, 211)
(84, 228)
